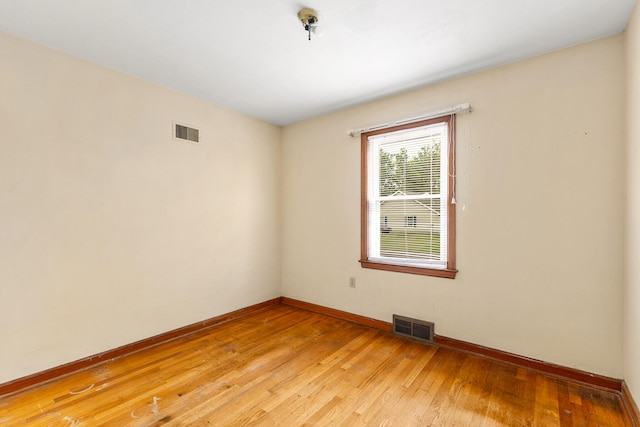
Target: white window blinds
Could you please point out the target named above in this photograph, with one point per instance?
(407, 179)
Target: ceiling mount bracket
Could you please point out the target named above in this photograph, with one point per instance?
(309, 19)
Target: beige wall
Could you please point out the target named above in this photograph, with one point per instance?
(110, 231)
(540, 209)
(632, 290)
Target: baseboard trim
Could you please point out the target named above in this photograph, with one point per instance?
(366, 321)
(88, 362)
(48, 375)
(514, 359)
(529, 363)
(630, 405)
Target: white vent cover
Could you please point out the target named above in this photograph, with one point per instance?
(185, 133)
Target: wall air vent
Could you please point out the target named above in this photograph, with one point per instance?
(413, 328)
(186, 133)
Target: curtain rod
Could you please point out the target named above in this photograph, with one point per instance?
(460, 108)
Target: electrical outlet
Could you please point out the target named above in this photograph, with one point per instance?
(352, 282)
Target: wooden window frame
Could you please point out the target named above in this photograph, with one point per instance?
(450, 271)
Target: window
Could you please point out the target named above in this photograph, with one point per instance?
(408, 218)
(410, 221)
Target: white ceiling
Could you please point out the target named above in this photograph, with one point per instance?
(253, 56)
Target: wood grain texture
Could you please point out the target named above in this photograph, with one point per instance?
(520, 361)
(630, 405)
(527, 362)
(287, 366)
(96, 359)
(344, 315)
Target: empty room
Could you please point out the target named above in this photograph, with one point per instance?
(332, 213)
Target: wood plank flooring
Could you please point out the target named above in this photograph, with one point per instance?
(290, 367)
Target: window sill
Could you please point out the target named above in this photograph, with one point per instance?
(434, 272)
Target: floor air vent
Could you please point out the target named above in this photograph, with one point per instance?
(413, 328)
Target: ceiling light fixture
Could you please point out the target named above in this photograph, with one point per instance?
(309, 19)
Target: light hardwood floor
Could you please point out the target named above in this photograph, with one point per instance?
(290, 367)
